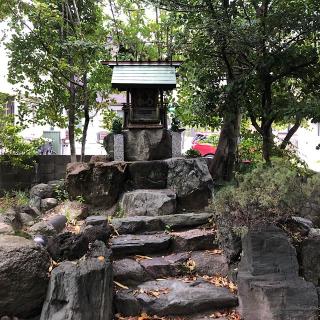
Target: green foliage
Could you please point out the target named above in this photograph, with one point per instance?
(250, 147)
(212, 139)
(55, 52)
(17, 151)
(175, 125)
(192, 153)
(13, 199)
(117, 125)
(61, 193)
(265, 194)
(108, 117)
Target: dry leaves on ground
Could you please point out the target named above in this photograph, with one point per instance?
(139, 258)
(221, 282)
(144, 316)
(230, 315)
(214, 252)
(153, 293)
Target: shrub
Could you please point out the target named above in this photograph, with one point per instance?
(116, 125)
(175, 125)
(265, 195)
(192, 153)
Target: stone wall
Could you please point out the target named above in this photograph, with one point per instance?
(47, 168)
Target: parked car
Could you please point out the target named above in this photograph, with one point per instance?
(206, 149)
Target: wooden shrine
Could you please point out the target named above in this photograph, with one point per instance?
(146, 84)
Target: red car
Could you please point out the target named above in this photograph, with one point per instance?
(206, 149)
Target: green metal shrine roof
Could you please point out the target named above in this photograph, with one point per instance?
(135, 75)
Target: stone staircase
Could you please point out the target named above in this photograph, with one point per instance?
(169, 266)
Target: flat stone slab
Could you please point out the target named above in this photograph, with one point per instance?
(210, 264)
(186, 220)
(194, 239)
(125, 245)
(96, 220)
(174, 297)
(175, 222)
(129, 272)
(148, 202)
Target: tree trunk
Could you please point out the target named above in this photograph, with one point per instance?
(222, 166)
(86, 118)
(267, 142)
(71, 122)
(290, 133)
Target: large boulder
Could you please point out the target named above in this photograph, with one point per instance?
(310, 258)
(148, 174)
(98, 184)
(147, 144)
(23, 276)
(81, 291)
(42, 191)
(190, 179)
(268, 281)
(148, 202)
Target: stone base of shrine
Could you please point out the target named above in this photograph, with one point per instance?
(145, 144)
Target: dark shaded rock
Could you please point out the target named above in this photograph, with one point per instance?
(23, 276)
(30, 211)
(148, 202)
(186, 220)
(184, 298)
(194, 239)
(35, 202)
(291, 299)
(68, 246)
(228, 239)
(96, 220)
(148, 174)
(42, 191)
(132, 225)
(166, 266)
(126, 304)
(190, 179)
(147, 144)
(43, 228)
(101, 232)
(98, 184)
(98, 249)
(210, 264)
(108, 144)
(129, 272)
(145, 224)
(139, 244)
(268, 279)
(298, 225)
(310, 259)
(80, 291)
(58, 222)
(267, 250)
(26, 219)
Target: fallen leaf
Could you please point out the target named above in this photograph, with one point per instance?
(101, 258)
(120, 285)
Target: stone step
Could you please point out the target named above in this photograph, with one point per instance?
(126, 245)
(141, 224)
(144, 244)
(173, 297)
(133, 271)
